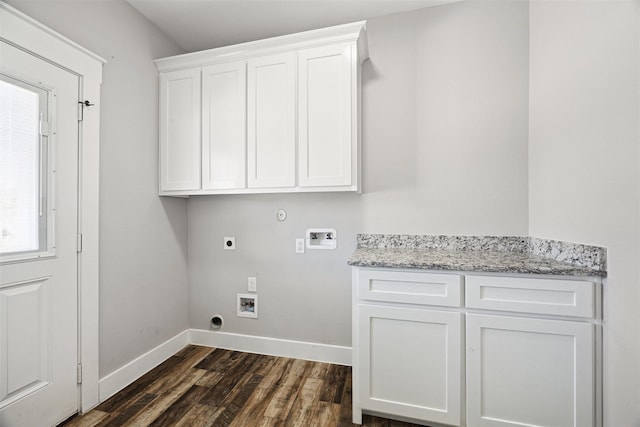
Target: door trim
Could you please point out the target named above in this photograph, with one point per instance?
(35, 38)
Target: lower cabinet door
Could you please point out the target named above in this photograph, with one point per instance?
(410, 360)
(531, 372)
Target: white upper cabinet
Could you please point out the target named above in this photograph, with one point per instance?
(273, 116)
(180, 130)
(271, 92)
(327, 113)
(224, 126)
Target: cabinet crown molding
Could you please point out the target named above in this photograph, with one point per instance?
(353, 32)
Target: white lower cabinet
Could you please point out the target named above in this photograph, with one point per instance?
(521, 365)
(408, 353)
(533, 372)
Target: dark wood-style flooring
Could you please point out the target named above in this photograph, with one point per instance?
(202, 386)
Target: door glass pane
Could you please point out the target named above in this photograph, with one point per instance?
(23, 167)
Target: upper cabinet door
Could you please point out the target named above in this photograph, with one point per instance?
(180, 130)
(327, 114)
(271, 121)
(224, 126)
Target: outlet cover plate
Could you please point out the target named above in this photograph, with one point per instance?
(229, 243)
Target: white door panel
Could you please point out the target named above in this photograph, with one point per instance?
(326, 96)
(180, 132)
(271, 150)
(411, 360)
(25, 335)
(38, 294)
(532, 372)
(224, 104)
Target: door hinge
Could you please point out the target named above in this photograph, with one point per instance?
(79, 243)
(79, 373)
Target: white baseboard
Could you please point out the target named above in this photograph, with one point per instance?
(335, 354)
(122, 377)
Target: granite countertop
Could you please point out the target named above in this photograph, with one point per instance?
(498, 254)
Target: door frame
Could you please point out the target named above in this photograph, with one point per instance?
(35, 38)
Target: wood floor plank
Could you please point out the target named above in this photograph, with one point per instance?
(209, 379)
(230, 359)
(284, 397)
(325, 414)
(236, 401)
(276, 375)
(120, 418)
(301, 414)
(177, 373)
(199, 415)
(260, 399)
(180, 407)
(334, 384)
(346, 414)
(160, 404)
(212, 359)
(254, 408)
(266, 365)
(320, 370)
(230, 379)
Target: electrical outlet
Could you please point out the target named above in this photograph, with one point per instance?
(299, 246)
(251, 284)
(229, 243)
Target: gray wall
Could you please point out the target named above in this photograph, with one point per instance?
(143, 266)
(444, 151)
(585, 165)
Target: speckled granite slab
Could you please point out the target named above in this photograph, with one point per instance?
(504, 254)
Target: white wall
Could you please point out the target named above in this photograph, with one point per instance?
(445, 151)
(143, 272)
(584, 163)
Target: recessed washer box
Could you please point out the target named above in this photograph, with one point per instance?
(247, 305)
(322, 238)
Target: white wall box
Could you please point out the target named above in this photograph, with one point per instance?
(272, 116)
(533, 348)
(180, 130)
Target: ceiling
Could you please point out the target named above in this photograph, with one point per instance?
(205, 24)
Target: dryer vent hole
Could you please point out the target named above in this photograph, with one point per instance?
(216, 321)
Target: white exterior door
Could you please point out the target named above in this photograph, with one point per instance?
(271, 90)
(411, 362)
(531, 372)
(327, 110)
(224, 104)
(38, 241)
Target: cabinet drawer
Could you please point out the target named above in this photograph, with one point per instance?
(410, 287)
(528, 295)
